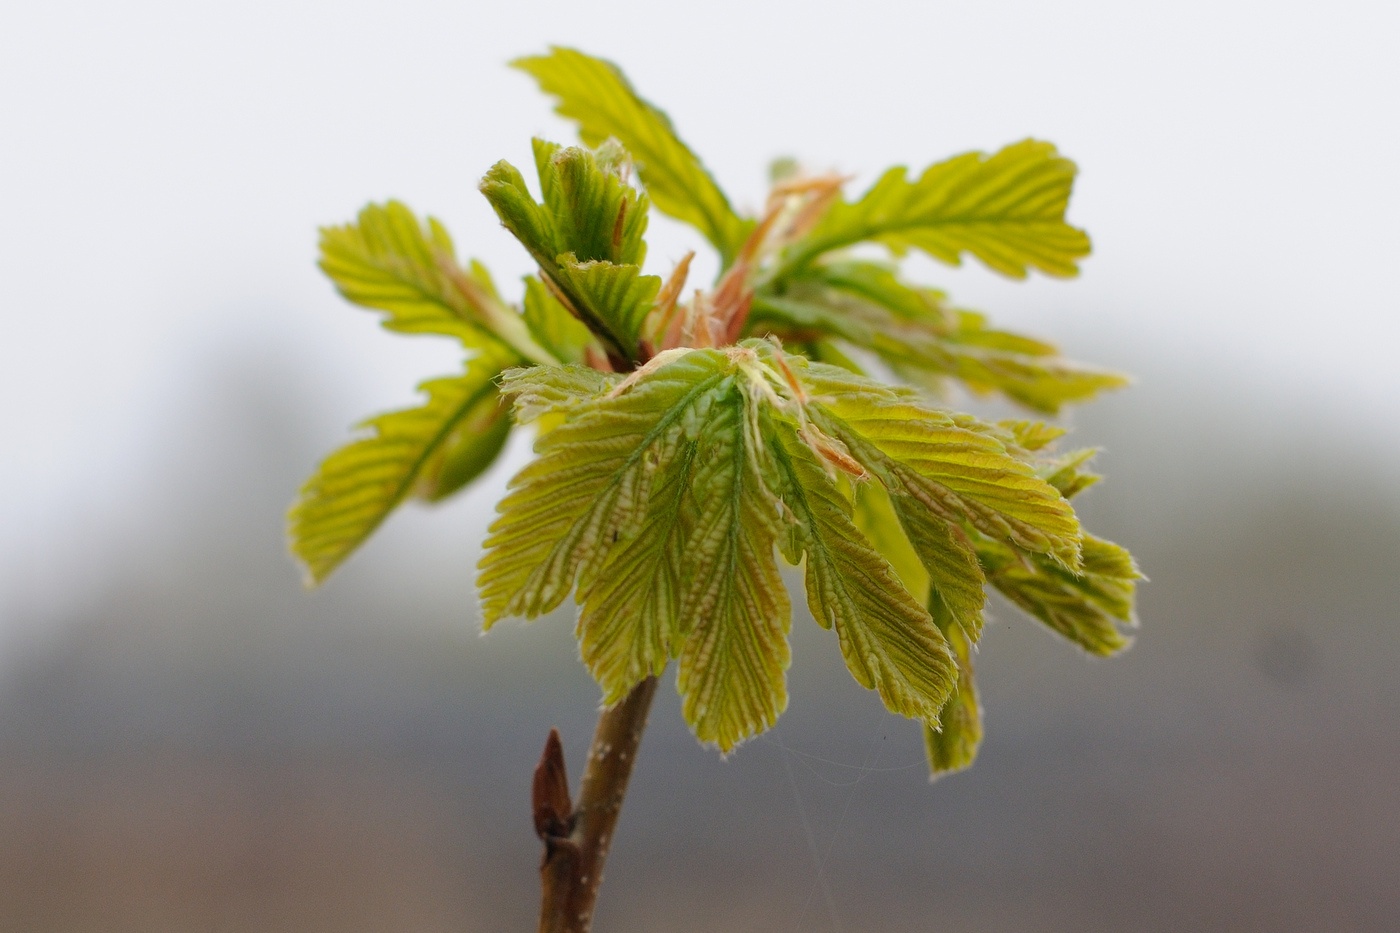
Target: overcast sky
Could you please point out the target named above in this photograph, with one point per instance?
(164, 166)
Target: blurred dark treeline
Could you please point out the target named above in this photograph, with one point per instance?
(206, 746)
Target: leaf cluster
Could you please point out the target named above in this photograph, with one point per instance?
(683, 447)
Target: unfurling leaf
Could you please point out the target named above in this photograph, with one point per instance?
(473, 446)
(874, 515)
(687, 438)
(433, 449)
(596, 95)
(593, 211)
(736, 653)
(1006, 209)
(586, 237)
(660, 498)
(662, 472)
(552, 325)
(617, 294)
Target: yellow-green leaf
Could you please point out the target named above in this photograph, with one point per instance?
(356, 488)
(617, 296)
(953, 746)
(922, 337)
(1006, 209)
(648, 497)
(584, 491)
(630, 624)
(552, 324)
(954, 470)
(875, 517)
(1088, 608)
(390, 261)
(888, 640)
(473, 446)
(732, 666)
(595, 94)
(586, 237)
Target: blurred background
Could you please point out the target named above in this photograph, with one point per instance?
(190, 741)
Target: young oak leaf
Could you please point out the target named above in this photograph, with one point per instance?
(1006, 209)
(595, 94)
(432, 449)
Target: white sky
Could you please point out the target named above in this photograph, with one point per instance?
(164, 165)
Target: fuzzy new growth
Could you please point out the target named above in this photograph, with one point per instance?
(789, 411)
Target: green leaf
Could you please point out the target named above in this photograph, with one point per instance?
(921, 337)
(581, 494)
(649, 496)
(1006, 209)
(731, 675)
(826, 351)
(527, 220)
(1066, 472)
(953, 747)
(474, 445)
(797, 321)
(887, 639)
(875, 517)
(390, 261)
(660, 498)
(438, 446)
(597, 215)
(955, 578)
(551, 323)
(956, 468)
(586, 237)
(1087, 608)
(630, 625)
(619, 296)
(878, 284)
(935, 560)
(595, 94)
(1024, 370)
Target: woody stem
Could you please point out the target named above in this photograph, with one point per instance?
(572, 869)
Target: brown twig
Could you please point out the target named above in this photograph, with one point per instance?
(576, 838)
